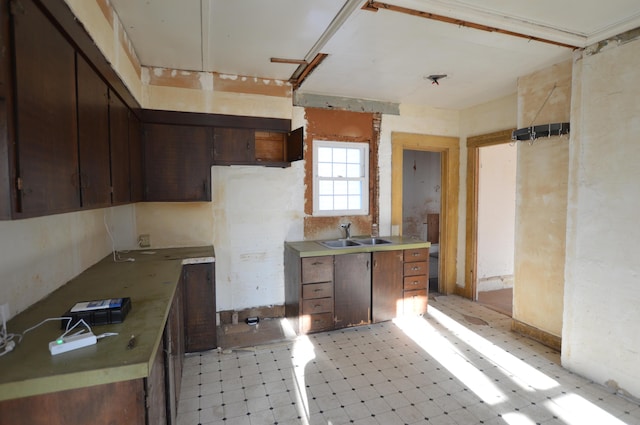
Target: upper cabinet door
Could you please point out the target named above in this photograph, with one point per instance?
(119, 137)
(46, 125)
(234, 146)
(93, 137)
(177, 161)
(294, 145)
(135, 158)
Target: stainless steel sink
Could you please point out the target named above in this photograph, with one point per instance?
(339, 243)
(373, 241)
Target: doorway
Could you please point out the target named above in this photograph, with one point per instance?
(491, 189)
(421, 204)
(449, 150)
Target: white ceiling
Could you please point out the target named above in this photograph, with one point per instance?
(383, 55)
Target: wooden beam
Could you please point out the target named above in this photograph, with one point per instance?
(374, 6)
(308, 69)
(291, 61)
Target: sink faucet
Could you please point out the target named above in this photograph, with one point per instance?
(347, 230)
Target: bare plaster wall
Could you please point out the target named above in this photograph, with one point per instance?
(541, 201)
(600, 339)
(41, 254)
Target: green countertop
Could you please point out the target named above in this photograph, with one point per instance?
(315, 249)
(150, 281)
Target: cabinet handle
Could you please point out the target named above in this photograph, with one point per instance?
(317, 290)
(317, 263)
(415, 282)
(317, 306)
(317, 321)
(416, 254)
(415, 268)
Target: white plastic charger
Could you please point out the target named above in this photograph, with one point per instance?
(69, 343)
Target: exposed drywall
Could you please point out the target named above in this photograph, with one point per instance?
(601, 315)
(41, 254)
(541, 201)
(496, 216)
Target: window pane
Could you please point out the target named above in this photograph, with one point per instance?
(325, 154)
(340, 202)
(355, 188)
(324, 169)
(353, 156)
(339, 170)
(353, 170)
(325, 187)
(354, 203)
(325, 203)
(340, 187)
(339, 155)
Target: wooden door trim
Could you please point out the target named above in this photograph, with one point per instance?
(471, 240)
(449, 147)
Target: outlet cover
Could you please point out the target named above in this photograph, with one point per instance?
(144, 240)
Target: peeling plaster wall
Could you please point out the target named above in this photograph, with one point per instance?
(600, 339)
(103, 25)
(541, 201)
(41, 254)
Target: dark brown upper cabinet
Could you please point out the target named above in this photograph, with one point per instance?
(93, 137)
(233, 146)
(119, 138)
(177, 162)
(47, 170)
(136, 158)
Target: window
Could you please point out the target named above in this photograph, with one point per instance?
(340, 178)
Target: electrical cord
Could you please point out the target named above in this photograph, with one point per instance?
(116, 254)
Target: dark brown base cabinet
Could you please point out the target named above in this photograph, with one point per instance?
(153, 400)
(386, 285)
(338, 291)
(199, 307)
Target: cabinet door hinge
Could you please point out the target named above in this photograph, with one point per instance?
(19, 183)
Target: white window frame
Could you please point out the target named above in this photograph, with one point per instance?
(363, 178)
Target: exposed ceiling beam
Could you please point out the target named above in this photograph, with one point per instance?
(374, 6)
(307, 69)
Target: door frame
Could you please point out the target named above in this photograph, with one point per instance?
(473, 168)
(449, 148)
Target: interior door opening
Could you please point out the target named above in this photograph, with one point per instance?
(422, 204)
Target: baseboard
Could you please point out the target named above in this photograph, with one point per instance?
(272, 311)
(536, 334)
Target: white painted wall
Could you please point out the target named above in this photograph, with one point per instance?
(41, 254)
(496, 216)
(600, 339)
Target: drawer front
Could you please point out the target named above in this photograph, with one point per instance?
(319, 305)
(415, 282)
(415, 302)
(418, 254)
(317, 290)
(317, 269)
(417, 268)
(316, 322)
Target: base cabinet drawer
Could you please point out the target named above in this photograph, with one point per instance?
(316, 322)
(415, 282)
(319, 305)
(317, 269)
(317, 290)
(415, 302)
(415, 269)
